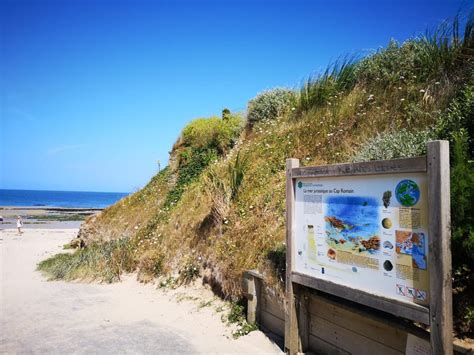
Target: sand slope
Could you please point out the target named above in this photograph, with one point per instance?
(58, 317)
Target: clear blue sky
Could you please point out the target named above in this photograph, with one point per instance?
(93, 93)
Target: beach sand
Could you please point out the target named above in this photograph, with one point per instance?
(42, 316)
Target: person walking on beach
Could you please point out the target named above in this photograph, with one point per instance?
(19, 225)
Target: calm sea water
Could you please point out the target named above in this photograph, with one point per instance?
(59, 198)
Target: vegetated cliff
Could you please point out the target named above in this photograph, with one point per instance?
(218, 208)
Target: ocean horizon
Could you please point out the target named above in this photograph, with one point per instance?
(65, 199)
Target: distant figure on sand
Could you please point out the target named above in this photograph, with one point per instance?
(19, 225)
(1, 219)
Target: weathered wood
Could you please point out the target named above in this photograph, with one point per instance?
(369, 313)
(271, 305)
(292, 338)
(407, 165)
(357, 323)
(319, 346)
(252, 301)
(407, 310)
(254, 273)
(440, 248)
(274, 324)
(347, 340)
(304, 319)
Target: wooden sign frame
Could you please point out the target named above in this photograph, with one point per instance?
(438, 315)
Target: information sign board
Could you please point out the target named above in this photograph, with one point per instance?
(366, 232)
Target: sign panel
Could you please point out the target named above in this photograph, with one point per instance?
(365, 232)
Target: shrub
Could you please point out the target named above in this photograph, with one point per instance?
(269, 105)
(212, 133)
(395, 144)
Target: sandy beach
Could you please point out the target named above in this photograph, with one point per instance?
(40, 316)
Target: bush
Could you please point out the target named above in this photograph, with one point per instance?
(202, 141)
(212, 133)
(395, 144)
(269, 105)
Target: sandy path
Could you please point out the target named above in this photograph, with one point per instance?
(38, 316)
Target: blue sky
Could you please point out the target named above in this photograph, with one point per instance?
(93, 93)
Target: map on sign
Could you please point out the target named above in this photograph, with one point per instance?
(369, 233)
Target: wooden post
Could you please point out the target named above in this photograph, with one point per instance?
(292, 338)
(441, 313)
(252, 303)
(303, 317)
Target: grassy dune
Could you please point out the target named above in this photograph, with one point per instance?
(218, 208)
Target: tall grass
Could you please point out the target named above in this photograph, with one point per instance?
(321, 89)
(237, 172)
(104, 262)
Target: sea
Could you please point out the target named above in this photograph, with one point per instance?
(65, 199)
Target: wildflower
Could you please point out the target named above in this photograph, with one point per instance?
(402, 100)
(330, 134)
(307, 158)
(402, 77)
(293, 108)
(437, 83)
(422, 91)
(399, 88)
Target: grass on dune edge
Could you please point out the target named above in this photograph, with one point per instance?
(218, 208)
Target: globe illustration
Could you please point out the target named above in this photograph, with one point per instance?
(407, 193)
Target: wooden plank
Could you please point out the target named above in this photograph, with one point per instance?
(407, 165)
(410, 311)
(272, 323)
(271, 305)
(368, 327)
(292, 340)
(439, 243)
(319, 346)
(347, 340)
(253, 273)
